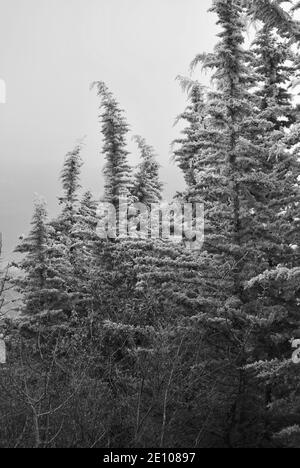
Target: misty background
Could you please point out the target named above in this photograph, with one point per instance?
(50, 52)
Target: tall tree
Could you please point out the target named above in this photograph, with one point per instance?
(61, 228)
(274, 294)
(246, 179)
(45, 268)
(117, 171)
(187, 147)
(70, 179)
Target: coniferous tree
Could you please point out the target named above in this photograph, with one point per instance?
(36, 245)
(147, 187)
(185, 153)
(84, 238)
(274, 15)
(237, 186)
(70, 178)
(137, 291)
(164, 346)
(45, 268)
(248, 182)
(62, 227)
(117, 171)
(275, 292)
(276, 67)
(86, 221)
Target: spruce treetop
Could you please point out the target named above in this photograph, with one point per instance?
(70, 178)
(117, 171)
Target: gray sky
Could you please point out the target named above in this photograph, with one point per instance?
(50, 52)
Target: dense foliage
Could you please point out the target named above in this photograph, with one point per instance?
(142, 342)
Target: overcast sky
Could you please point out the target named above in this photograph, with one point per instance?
(50, 52)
